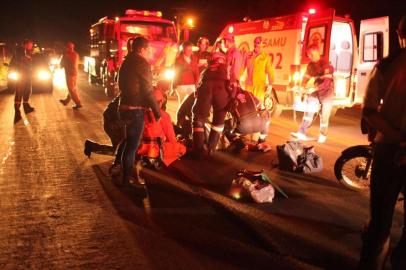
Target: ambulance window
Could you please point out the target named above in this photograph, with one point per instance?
(317, 36)
(373, 47)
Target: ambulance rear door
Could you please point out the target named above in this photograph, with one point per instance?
(373, 46)
(318, 32)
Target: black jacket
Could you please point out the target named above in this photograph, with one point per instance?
(135, 83)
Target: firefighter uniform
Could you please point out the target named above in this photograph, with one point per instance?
(211, 93)
(260, 74)
(69, 62)
(22, 63)
(234, 67)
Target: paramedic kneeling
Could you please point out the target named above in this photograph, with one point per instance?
(248, 118)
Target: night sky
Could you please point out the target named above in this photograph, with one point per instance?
(50, 21)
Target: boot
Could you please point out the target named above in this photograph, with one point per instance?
(214, 138)
(17, 116)
(76, 106)
(198, 142)
(27, 108)
(64, 101)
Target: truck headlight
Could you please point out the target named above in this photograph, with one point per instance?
(169, 74)
(55, 61)
(14, 76)
(44, 75)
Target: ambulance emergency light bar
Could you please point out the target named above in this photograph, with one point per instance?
(145, 13)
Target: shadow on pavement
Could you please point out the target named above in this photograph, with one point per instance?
(197, 224)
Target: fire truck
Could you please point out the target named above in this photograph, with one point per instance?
(286, 39)
(108, 47)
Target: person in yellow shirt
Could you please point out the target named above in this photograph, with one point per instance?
(260, 72)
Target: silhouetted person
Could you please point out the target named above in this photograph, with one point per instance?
(385, 111)
(22, 63)
(135, 84)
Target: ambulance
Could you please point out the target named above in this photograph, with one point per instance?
(286, 39)
(108, 47)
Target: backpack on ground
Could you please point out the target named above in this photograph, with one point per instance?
(294, 157)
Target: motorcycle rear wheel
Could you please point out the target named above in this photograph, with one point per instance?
(354, 171)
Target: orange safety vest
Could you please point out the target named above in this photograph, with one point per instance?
(153, 143)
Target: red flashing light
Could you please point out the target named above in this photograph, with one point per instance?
(145, 13)
(231, 29)
(312, 11)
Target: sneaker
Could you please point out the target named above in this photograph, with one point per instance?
(64, 102)
(264, 147)
(17, 117)
(300, 136)
(76, 106)
(322, 138)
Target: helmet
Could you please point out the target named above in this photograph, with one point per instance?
(218, 57)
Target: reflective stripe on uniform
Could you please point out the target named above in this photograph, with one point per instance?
(218, 129)
(323, 125)
(307, 118)
(198, 129)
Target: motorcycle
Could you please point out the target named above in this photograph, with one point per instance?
(353, 167)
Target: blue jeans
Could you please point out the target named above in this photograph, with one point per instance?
(134, 127)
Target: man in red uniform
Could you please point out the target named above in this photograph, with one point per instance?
(69, 62)
(234, 62)
(187, 72)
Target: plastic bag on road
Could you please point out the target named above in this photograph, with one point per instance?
(259, 191)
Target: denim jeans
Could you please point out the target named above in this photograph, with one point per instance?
(326, 106)
(134, 127)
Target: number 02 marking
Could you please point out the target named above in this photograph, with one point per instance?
(278, 58)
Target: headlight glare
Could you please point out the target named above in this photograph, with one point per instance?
(44, 75)
(169, 74)
(13, 75)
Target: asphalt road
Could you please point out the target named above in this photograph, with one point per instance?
(60, 209)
